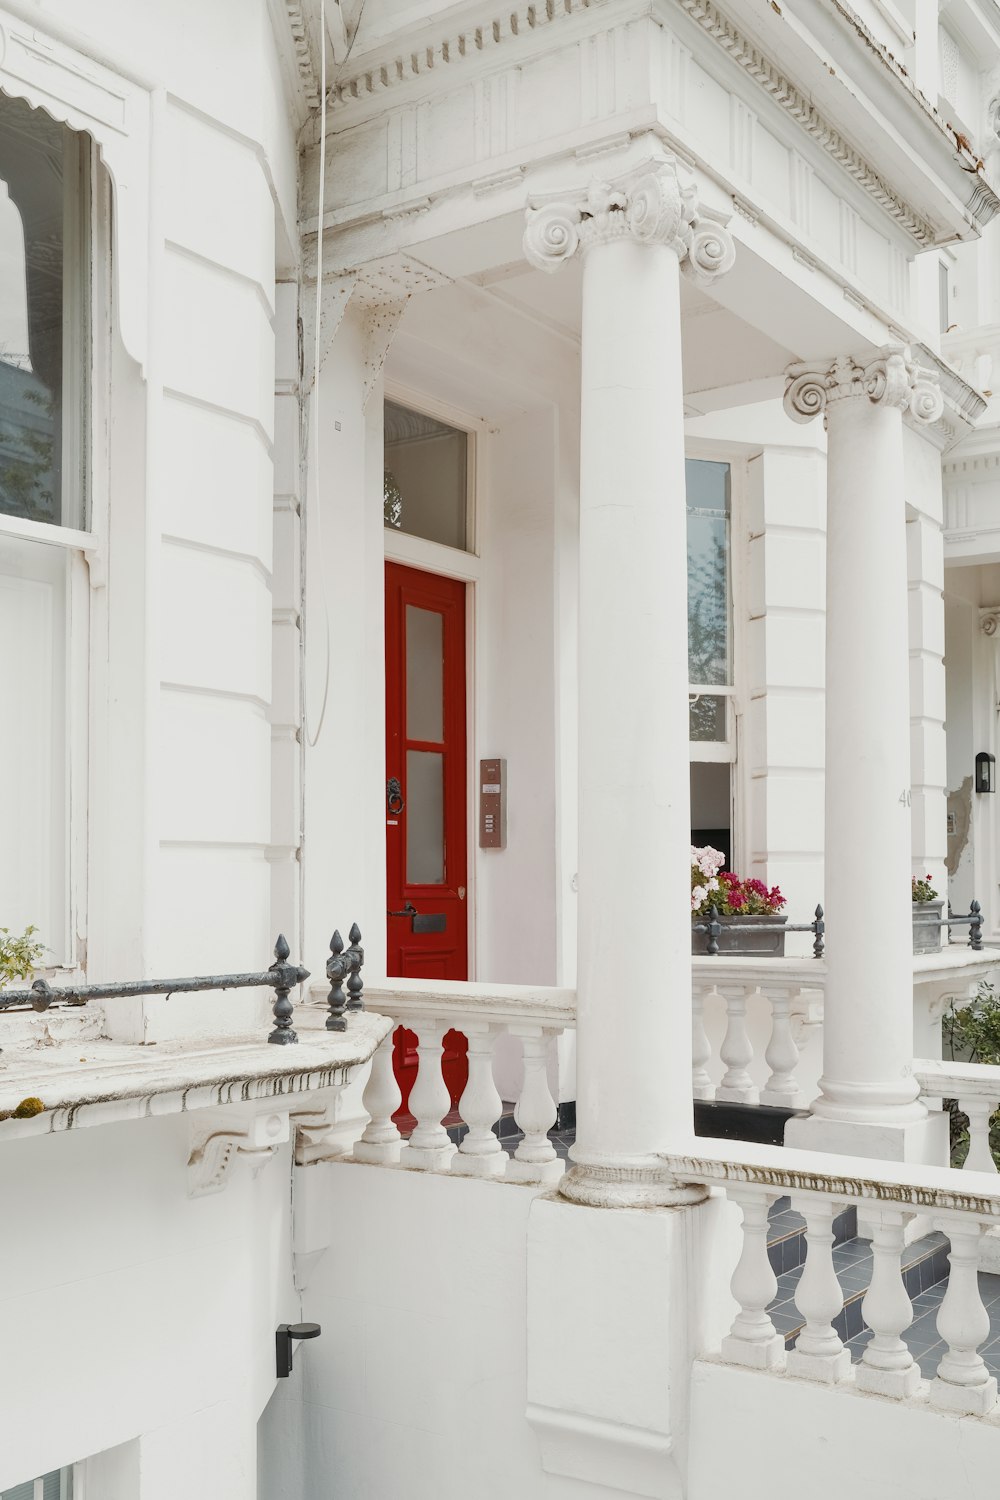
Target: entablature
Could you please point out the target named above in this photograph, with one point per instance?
(515, 79)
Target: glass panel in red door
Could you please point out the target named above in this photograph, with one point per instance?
(426, 821)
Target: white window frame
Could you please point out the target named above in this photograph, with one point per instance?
(729, 751)
(86, 342)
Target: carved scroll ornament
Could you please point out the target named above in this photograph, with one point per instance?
(656, 205)
(894, 379)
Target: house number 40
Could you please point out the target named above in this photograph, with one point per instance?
(904, 797)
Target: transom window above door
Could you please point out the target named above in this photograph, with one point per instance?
(426, 482)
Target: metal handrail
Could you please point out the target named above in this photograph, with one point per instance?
(714, 928)
(973, 917)
(280, 977)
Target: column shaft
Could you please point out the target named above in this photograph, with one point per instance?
(634, 976)
(868, 1013)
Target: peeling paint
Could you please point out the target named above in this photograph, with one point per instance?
(960, 809)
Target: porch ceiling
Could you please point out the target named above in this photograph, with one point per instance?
(720, 349)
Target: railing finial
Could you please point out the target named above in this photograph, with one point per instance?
(337, 967)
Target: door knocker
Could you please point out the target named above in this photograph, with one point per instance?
(394, 796)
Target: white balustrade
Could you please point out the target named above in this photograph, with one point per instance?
(887, 1367)
(535, 1159)
(819, 1352)
(736, 1051)
(480, 1153)
(752, 1065)
(889, 1199)
(963, 1383)
(976, 1087)
(429, 1146)
(702, 1086)
(753, 1339)
(532, 1016)
(381, 1141)
(782, 1054)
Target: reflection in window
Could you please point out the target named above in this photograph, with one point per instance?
(425, 487)
(709, 632)
(42, 206)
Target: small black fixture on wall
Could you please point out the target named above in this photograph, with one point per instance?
(284, 1335)
(985, 772)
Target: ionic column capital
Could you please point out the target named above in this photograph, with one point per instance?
(893, 380)
(657, 204)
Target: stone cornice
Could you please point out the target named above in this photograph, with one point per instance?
(390, 67)
(793, 102)
(396, 64)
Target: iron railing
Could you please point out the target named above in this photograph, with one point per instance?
(973, 919)
(281, 976)
(715, 929)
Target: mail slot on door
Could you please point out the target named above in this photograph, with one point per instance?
(492, 804)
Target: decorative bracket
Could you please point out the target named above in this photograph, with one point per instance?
(313, 1133)
(381, 290)
(215, 1154)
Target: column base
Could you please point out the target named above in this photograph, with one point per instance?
(464, 1164)
(634, 1182)
(427, 1158)
(381, 1154)
(896, 1383)
(546, 1172)
(831, 1369)
(768, 1355)
(923, 1140)
(964, 1400)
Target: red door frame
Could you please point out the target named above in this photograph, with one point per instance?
(427, 955)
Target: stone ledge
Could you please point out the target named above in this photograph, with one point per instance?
(111, 1081)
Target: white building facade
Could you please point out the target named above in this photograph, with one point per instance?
(452, 458)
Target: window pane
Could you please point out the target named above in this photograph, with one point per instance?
(707, 718)
(33, 587)
(425, 488)
(711, 808)
(708, 509)
(424, 817)
(41, 317)
(424, 674)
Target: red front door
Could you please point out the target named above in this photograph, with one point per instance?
(425, 764)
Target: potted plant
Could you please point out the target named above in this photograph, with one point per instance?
(927, 908)
(748, 903)
(19, 956)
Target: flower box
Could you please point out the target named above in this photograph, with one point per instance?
(765, 940)
(926, 933)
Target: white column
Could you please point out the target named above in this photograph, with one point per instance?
(867, 1083)
(634, 947)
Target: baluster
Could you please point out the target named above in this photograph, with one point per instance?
(336, 972)
(736, 1052)
(980, 1112)
(819, 1352)
(819, 933)
(480, 1153)
(976, 926)
(753, 1339)
(535, 1159)
(355, 958)
(963, 1383)
(429, 1147)
(782, 1054)
(381, 1141)
(702, 1086)
(887, 1367)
